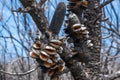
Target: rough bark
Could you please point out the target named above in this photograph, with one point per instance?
(89, 72)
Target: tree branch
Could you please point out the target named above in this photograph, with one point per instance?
(105, 3)
(19, 74)
(113, 76)
(37, 13)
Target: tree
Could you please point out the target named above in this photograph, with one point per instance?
(84, 41)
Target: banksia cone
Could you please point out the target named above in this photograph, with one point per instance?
(34, 55)
(44, 56)
(56, 43)
(50, 50)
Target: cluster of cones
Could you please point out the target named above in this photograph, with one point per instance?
(77, 31)
(48, 58)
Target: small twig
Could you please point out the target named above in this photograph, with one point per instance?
(113, 76)
(19, 74)
(98, 17)
(42, 2)
(107, 36)
(22, 10)
(105, 3)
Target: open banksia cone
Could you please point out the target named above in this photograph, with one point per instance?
(34, 55)
(44, 56)
(37, 45)
(50, 50)
(56, 43)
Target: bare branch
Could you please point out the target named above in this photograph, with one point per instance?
(20, 74)
(107, 36)
(105, 3)
(113, 76)
(37, 14)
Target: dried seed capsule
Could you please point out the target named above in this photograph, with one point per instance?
(49, 63)
(76, 27)
(44, 56)
(84, 3)
(61, 68)
(73, 19)
(55, 78)
(54, 58)
(54, 66)
(73, 52)
(34, 55)
(37, 45)
(50, 72)
(50, 50)
(62, 39)
(83, 28)
(56, 43)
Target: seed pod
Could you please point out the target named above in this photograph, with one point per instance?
(85, 32)
(54, 66)
(61, 68)
(89, 43)
(74, 52)
(37, 45)
(51, 72)
(49, 63)
(50, 50)
(56, 43)
(83, 28)
(34, 55)
(56, 78)
(84, 3)
(62, 39)
(54, 58)
(44, 56)
(76, 27)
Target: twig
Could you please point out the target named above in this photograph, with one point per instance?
(107, 36)
(105, 3)
(19, 74)
(42, 2)
(113, 76)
